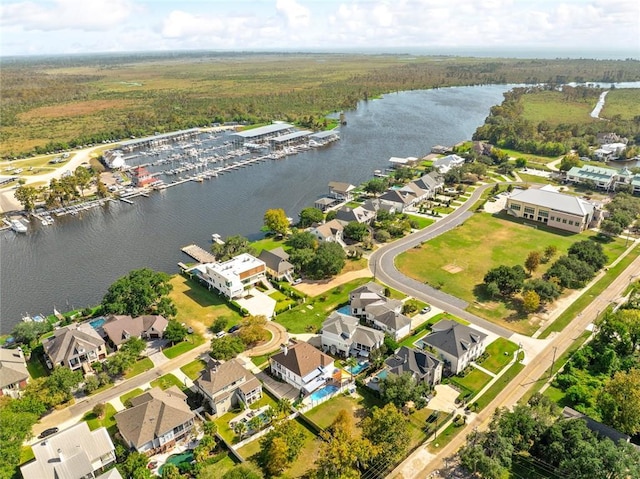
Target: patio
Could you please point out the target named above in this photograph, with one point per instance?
(247, 415)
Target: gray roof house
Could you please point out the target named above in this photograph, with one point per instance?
(431, 182)
(227, 385)
(375, 204)
(340, 190)
(343, 334)
(369, 303)
(600, 429)
(120, 328)
(277, 263)
(73, 346)
(357, 214)
(156, 420)
(75, 453)
(457, 344)
(13, 372)
(422, 365)
(399, 199)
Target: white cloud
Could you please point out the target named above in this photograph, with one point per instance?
(85, 15)
(295, 14)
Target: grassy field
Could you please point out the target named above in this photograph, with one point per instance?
(197, 306)
(474, 381)
(262, 360)
(107, 420)
(217, 470)
(193, 369)
(36, 368)
(166, 381)
(311, 314)
(131, 394)
(192, 341)
(499, 385)
(554, 108)
(500, 354)
(139, 367)
(422, 222)
(464, 248)
(622, 101)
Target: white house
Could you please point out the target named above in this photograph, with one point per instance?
(234, 276)
(331, 231)
(303, 366)
(344, 335)
(457, 344)
(445, 163)
(369, 303)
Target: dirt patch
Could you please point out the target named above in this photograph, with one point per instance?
(74, 109)
(452, 268)
(314, 288)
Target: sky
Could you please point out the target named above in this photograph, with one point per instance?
(585, 27)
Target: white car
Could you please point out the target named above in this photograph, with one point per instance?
(297, 281)
(221, 334)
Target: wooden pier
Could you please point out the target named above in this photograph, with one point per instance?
(199, 254)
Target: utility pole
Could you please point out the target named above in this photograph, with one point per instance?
(553, 361)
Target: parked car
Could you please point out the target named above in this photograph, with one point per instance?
(221, 334)
(297, 281)
(48, 432)
(426, 309)
(233, 329)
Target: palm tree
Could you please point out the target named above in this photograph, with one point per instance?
(351, 363)
(254, 423)
(240, 428)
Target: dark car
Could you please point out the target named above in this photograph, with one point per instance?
(233, 329)
(48, 432)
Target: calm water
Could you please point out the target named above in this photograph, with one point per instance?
(72, 263)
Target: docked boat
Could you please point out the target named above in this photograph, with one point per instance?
(18, 226)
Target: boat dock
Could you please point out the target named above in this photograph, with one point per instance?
(199, 254)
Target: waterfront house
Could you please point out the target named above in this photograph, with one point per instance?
(369, 303)
(565, 212)
(444, 164)
(120, 328)
(403, 162)
(609, 151)
(232, 277)
(422, 365)
(602, 178)
(140, 177)
(13, 372)
(344, 335)
(341, 191)
(376, 204)
(456, 344)
(607, 138)
(156, 420)
(324, 203)
(74, 346)
(331, 231)
(277, 264)
(358, 214)
(226, 385)
(303, 366)
(400, 200)
(75, 453)
(432, 182)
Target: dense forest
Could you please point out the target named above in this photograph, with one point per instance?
(56, 103)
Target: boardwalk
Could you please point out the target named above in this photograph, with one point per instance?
(197, 253)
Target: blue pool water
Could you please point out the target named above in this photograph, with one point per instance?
(323, 392)
(382, 374)
(345, 310)
(96, 323)
(358, 368)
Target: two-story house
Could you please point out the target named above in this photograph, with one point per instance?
(456, 344)
(74, 346)
(120, 328)
(303, 366)
(156, 420)
(13, 372)
(228, 384)
(344, 335)
(234, 276)
(422, 365)
(341, 191)
(331, 231)
(277, 264)
(368, 302)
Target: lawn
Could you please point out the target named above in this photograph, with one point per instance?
(554, 108)
(310, 315)
(223, 421)
(500, 353)
(197, 306)
(499, 385)
(472, 255)
(193, 369)
(36, 368)
(130, 395)
(107, 421)
(217, 470)
(262, 360)
(473, 382)
(268, 243)
(622, 101)
(324, 414)
(139, 367)
(444, 438)
(531, 158)
(191, 341)
(421, 221)
(283, 301)
(166, 381)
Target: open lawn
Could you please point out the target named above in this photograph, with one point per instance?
(197, 306)
(139, 367)
(191, 341)
(422, 222)
(473, 382)
(268, 243)
(622, 101)
(107, 420)
(36, 368)
(310, 315)
(131, 394)
(263, 359)
(324, 414)
(554, 108)
(217, 470)
(499, 385)
(531, 159)
(457, 261)
(193, 369)
(166, 381)
(223, 421)
(500, 353)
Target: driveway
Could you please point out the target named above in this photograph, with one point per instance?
(279, 336)
(258, 303)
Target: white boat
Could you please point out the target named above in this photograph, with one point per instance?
(18, 226)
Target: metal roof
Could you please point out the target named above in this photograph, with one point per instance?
(324, 134)
(291, 136)
(263, 130)
(553, 201)
(158, 137)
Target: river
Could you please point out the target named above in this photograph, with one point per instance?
(72, 263)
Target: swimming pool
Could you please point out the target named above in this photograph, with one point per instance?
(345, 310)
(323, 392)
(186, 456)
(358, 368)
(97, 322)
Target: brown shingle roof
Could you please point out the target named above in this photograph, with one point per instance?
(215, 380)
(302, 358)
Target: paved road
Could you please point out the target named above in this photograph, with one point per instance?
(383, 266)
(533, 372)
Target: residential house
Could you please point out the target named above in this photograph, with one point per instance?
(419, 193)
(13, 372)
(445, 163)
(324, 203)
(234, 276)
(403, 162)
(376, 204)
(156, 420)
(331, 231)
(608, 138)
(457, 344)
(600, 429)
(401, 200)
(344, 335)
(228, 384)
(75, 453)
(609, 151)
(277, 264)
(341, 191)
(120, 328)
(565, 212)
(432, 182)
(422, 365)
(303, 366)
(358, 214)
(369, 303)
(74, 346)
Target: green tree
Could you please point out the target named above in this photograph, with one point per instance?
(101, 188)
(387, 429)
(302, 240)
(232, 247)
(549, 252)
(253, 330)
(328, 261)
(219, 324)
(547, 291)
(135, 466)
(611, 228)
(83, 177)
(569, 161)
(26, 196)
(276, 220)
(619, 401)
(400, 389)
(29, 332)
(570, 272)
(508, 279)
(63, 380)
(376, 186)
(91, 383)
(226, 347)
(171, 471)
(99, 409)
(15, 428)
(240, 428)
(133, 347)
(245, 470)
(533, 261)
(142, 291)
(589, 252)
(356, 231)
(174, 332)
(309, 216)
(530, 301)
